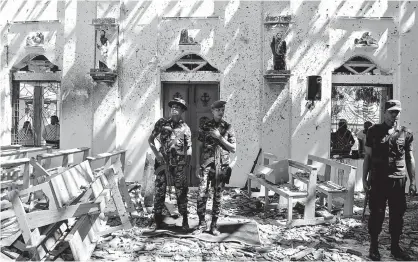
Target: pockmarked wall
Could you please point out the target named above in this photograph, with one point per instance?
(228, 42)
(233, 38)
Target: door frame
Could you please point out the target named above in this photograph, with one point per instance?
(192, 182)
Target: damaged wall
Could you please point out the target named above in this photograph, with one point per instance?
(233, 39)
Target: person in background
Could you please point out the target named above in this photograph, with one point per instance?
(361, 135)
(25, 135)
(51, 132)
(342, 140)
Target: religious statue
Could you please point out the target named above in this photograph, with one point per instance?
(185, 39)
(278, 48)
(103, 49)
(366, 40)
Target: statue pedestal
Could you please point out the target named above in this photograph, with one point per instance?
(277, 76)
(103, 76)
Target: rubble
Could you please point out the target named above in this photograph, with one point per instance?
(347, 240)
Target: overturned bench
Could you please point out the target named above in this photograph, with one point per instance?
(75, 193)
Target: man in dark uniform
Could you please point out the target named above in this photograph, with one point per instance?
(215, 142)
(171, 160)
(387, 161)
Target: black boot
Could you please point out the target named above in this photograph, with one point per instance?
(202, 226)
(397, 251)
(374, 249)
(214, 227)
(185, 224)
(158, 219)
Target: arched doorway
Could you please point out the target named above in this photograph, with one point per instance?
(195, 80)
(359, 91)
(35, 98)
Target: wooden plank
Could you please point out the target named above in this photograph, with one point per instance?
(8, 241)
(105, 155)
(81, 246)
(10, 147)
(301, 166)
(60, 189)
(283, 192)
(329, 162)
(349, 199)
(46, 217)
(62, 153)
(309, 212)
(14, 162)
(24, 151)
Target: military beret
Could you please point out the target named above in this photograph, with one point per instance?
(218, 104)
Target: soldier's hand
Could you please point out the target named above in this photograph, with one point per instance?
(215, 133)
(412, 190)
(197, 172)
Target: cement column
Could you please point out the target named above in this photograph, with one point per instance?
(76, 118)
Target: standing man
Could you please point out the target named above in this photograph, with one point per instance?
(51, 132)
(361, 135)
(215, 142)
(171, 160)
(388, 159)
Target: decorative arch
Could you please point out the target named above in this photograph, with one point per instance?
(35, 63)
(189, 63)
(359, 65)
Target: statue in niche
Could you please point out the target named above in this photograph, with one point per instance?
(35, 39)
(103, 49)
(185, 39)
(366, 40)
(278, 48)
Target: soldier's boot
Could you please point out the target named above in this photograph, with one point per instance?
(396, 251)
(185, 224)
(374, 249)
(159, 224)
(202, 226)
(214, 227)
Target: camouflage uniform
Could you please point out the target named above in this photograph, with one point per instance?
(174, 152)
(207, 174)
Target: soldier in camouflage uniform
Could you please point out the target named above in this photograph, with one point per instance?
(172, 157)
(215, 142)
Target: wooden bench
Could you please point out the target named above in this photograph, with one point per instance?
(23, 152)
(15, 171)
(284, 190)
(10, 147)
(67, 156)
(330, 189)
(72, 194)
(118, 156)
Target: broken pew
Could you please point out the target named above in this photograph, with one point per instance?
(116, 155)
(330, 189)
(72, 194)
(285, 190)
(66, 154)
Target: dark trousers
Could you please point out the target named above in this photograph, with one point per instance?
(391, 190)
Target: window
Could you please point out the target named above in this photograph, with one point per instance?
(351, 107)
(34, 103)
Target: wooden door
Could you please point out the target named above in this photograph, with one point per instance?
(198, 97)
